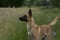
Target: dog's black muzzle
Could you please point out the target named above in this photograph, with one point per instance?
(23, 18)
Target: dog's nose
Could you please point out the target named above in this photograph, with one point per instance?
(20, 18)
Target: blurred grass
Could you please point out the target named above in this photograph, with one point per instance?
(11, 28)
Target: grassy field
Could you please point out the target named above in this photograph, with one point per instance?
(11, 28)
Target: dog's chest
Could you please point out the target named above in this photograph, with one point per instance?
(28, 29)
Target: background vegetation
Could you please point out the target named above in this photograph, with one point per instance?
(19, 3)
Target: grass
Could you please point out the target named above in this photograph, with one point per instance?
(11, 28)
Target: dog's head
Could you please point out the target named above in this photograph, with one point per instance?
(26, 17)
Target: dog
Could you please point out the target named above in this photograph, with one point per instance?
(38, 32)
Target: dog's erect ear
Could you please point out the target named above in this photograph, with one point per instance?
(30, 13)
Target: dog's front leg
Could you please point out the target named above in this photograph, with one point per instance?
(36, 33)
(30, 37)
(49, 35)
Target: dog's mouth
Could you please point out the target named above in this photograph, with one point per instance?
(23, 18)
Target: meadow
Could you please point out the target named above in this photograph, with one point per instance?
(11, 28)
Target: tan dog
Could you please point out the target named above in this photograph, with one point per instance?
(36, 32)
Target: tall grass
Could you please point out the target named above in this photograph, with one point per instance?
(11, 28)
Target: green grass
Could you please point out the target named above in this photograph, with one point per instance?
(11, 28)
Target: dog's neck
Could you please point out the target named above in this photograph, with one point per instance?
(30, 25)
(31, 22)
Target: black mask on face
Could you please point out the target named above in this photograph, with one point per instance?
(23, 18)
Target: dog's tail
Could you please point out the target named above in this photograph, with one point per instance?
(54, 21)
